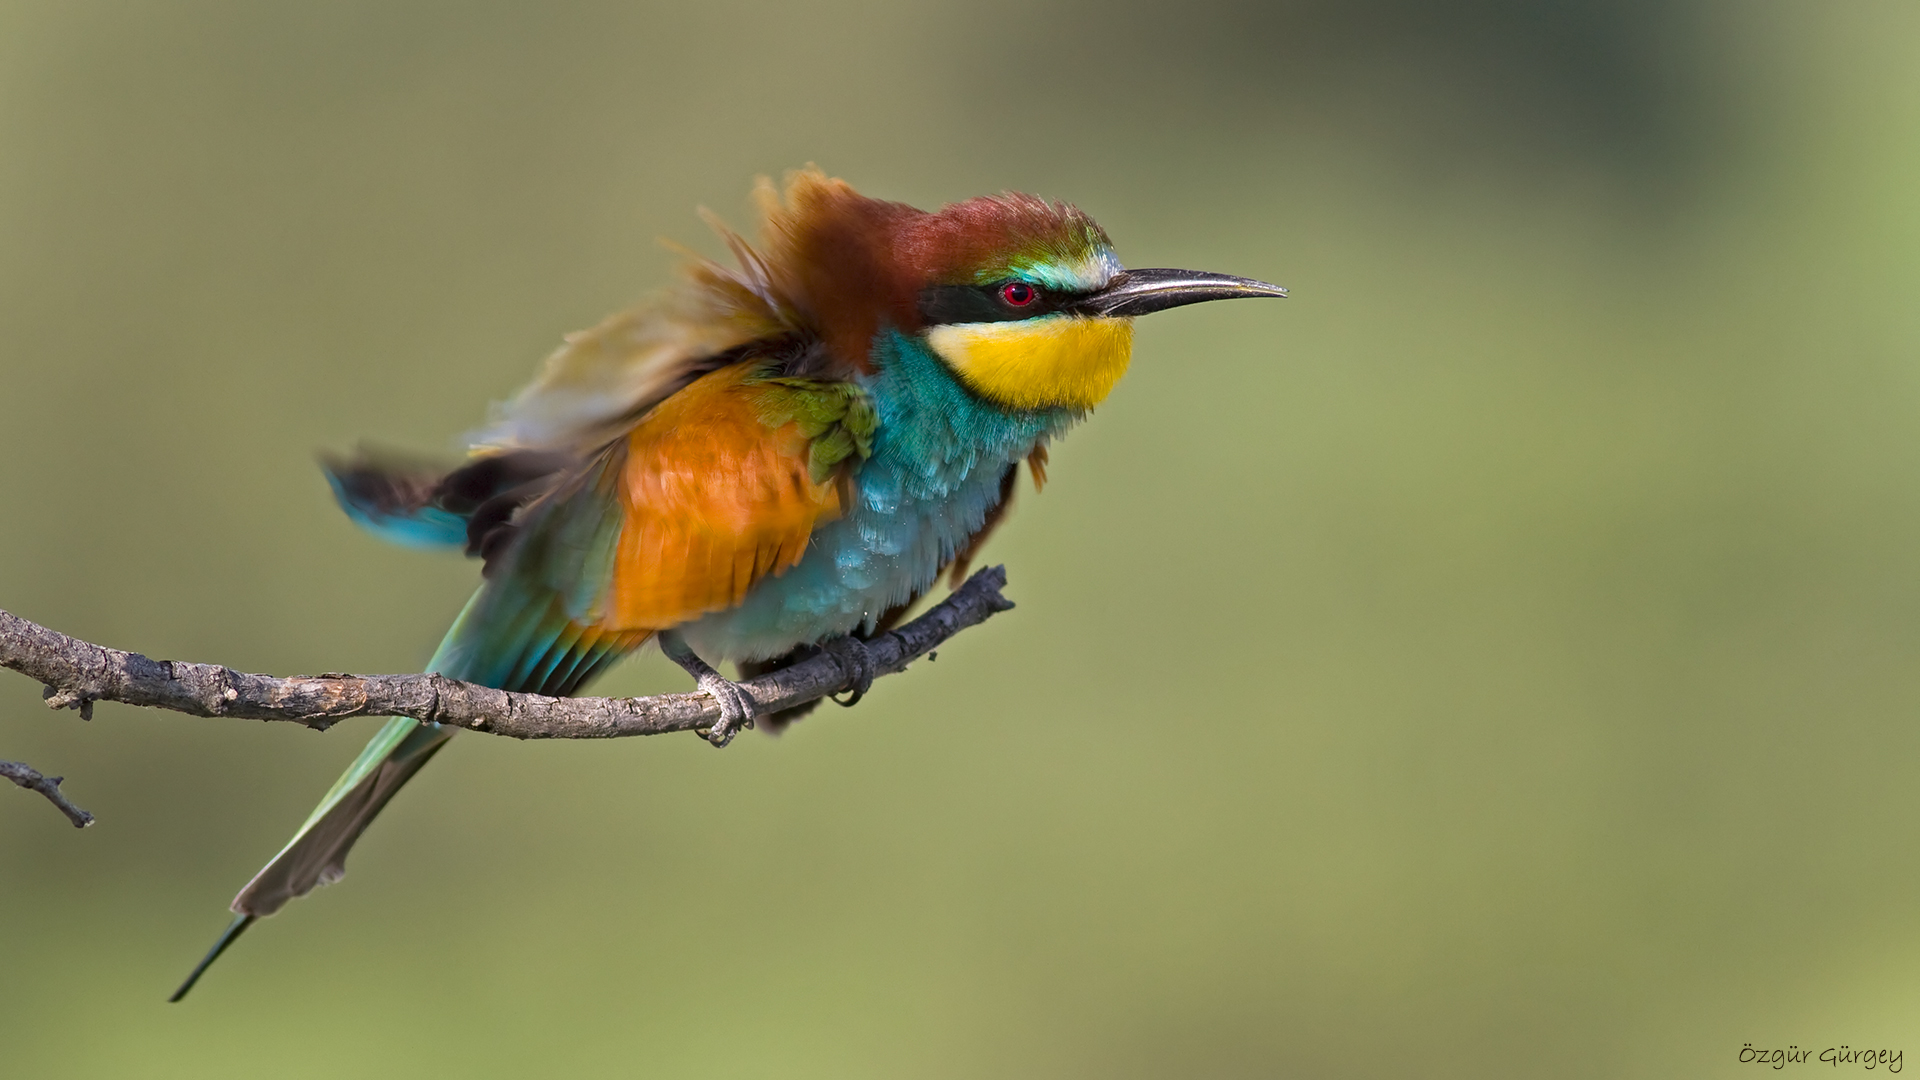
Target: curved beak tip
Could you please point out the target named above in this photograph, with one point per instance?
(1245, 288)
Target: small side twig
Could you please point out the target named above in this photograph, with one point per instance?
(28, 777)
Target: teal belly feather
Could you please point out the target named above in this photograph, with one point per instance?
(938, 459)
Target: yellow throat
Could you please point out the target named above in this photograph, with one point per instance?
(1055, 361)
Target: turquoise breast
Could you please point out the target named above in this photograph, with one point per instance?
(938, 458)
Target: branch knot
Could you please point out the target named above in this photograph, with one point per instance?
(58, 698)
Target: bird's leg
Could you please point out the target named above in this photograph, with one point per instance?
(736, 705)
(851, 654)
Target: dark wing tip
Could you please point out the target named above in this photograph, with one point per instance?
(227, 937)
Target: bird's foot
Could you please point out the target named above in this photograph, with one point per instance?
(854, 659)
(736, 705)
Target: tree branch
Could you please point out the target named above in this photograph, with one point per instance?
(27, 777)
(77, 673)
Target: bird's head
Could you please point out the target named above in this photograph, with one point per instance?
(1024, 299)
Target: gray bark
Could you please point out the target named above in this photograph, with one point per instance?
(77, 674)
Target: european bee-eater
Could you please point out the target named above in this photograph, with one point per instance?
(773, 457)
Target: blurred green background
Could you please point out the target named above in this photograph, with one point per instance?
(1498, 660)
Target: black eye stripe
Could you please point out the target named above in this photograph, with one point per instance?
(941, 304)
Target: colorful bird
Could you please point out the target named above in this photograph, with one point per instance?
(771, 458)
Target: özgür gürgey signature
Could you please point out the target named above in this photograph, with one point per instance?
(1836, 1056)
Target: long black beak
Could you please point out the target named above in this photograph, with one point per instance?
(1142, 292)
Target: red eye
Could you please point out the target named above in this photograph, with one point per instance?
(1018, 293)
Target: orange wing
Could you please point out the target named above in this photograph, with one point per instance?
(714, 500)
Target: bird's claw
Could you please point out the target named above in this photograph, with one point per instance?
(736, 708)
(736, 705)
(854, 659)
